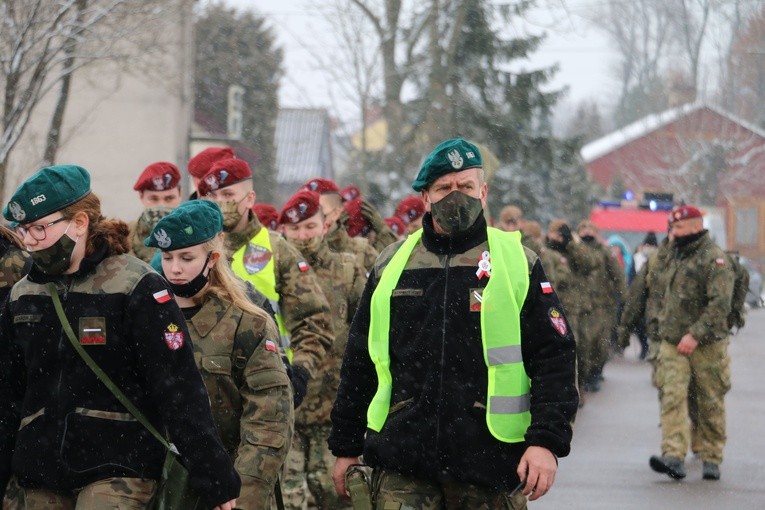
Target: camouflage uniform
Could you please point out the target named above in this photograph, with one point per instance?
(250, 393)
(14, 264)
(697, 301)
(142, 228)
(340, 242)
(390, 490)
(132, 494)
(303, 306)
(310, 462)
(602, 289)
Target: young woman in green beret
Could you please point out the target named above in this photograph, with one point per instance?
(65, 440)
(235, 347)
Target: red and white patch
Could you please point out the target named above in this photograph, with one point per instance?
(558, 321)
(720, 262)
(163, 296)
(173, 337)
(546, 288)
(303, 266)
(270, 346)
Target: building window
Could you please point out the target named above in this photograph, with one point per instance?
(747, 228)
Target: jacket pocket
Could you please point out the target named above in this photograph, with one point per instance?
(94, 439)
(262, 452)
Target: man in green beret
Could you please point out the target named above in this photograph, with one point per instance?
(458, 383)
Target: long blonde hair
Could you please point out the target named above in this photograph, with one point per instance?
(223, 284)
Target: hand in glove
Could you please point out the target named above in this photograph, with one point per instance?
(372, 215)
(299, 377)
(566, 235)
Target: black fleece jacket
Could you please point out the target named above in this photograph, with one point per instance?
(60, 427)
(436, 429)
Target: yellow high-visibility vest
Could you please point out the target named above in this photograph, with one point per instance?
(508, 397)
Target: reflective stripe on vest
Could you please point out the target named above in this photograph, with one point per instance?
(508, 398)
(264, 279)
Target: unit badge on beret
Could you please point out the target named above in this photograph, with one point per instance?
(455, 158)
(173, 337)
(212, 182)
(16, 211)
(293, 215)
(163, 240)
(558, 321)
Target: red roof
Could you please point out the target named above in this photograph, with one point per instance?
(630, 220)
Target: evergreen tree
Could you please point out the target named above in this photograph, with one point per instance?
(237, 48)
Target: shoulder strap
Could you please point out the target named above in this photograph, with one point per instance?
(100, 373)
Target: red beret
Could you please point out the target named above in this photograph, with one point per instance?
(410, 208)
(160, 176)
(224, 173)
(684, 212)
(320, 186)
(350, 192)
(200, 164)
(267, 214)
(357, 224)
(301, 206)
(396, 225)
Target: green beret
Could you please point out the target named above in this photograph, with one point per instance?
(450, 156)
(189, 224)
(49, 190)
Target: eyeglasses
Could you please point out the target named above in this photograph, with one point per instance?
(36, 231)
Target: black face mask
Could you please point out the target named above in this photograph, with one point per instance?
(192, 288)
(555, 245)
(456, 212)
(588, 239)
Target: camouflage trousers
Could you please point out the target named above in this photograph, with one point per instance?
(592, 331)
(108, 494)
(392, 491)
(308, 471)
(706, 373)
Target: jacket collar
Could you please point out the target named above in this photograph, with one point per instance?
(211, 313)
(686, 245)
(443, 244)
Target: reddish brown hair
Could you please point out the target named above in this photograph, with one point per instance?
(115, 233)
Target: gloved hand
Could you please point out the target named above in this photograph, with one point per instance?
(565, 233)
(372, 215)
(299, 378)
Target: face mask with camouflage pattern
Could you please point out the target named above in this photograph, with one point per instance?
(307, 247)
(231, 214)
(56, 258)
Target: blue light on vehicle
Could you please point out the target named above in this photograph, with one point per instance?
(629, 195)
(652, 205)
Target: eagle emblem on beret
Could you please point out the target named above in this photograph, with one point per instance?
(163, 240)
(158, 184)
(455, 158)
(293, 215)
(16, 211)
(212, 181)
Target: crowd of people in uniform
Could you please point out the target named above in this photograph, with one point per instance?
(279, 349)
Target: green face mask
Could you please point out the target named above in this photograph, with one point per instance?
(307, 247)
(231, 214)
(456, 212)
(57, 258)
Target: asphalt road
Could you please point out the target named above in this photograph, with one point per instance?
(618, 430)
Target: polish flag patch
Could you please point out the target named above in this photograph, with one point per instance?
(546, 288)
(270, 346)
(163, 296)
(303, 266)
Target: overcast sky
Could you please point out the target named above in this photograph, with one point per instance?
(579, 49)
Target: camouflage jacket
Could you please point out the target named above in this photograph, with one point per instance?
(342, 279)
(698, 295)
(250, 393)
(645, 296)
(14, 264)
(340, 242)
(63, 428)
(141, 229)
(568, 271)
(303, 306)
(531, 243)
(605, 285)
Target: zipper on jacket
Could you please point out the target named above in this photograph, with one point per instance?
(443, 356)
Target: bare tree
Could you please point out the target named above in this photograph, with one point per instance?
(43, 44)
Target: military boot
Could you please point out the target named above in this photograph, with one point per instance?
(710, 471)
(672, 466)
